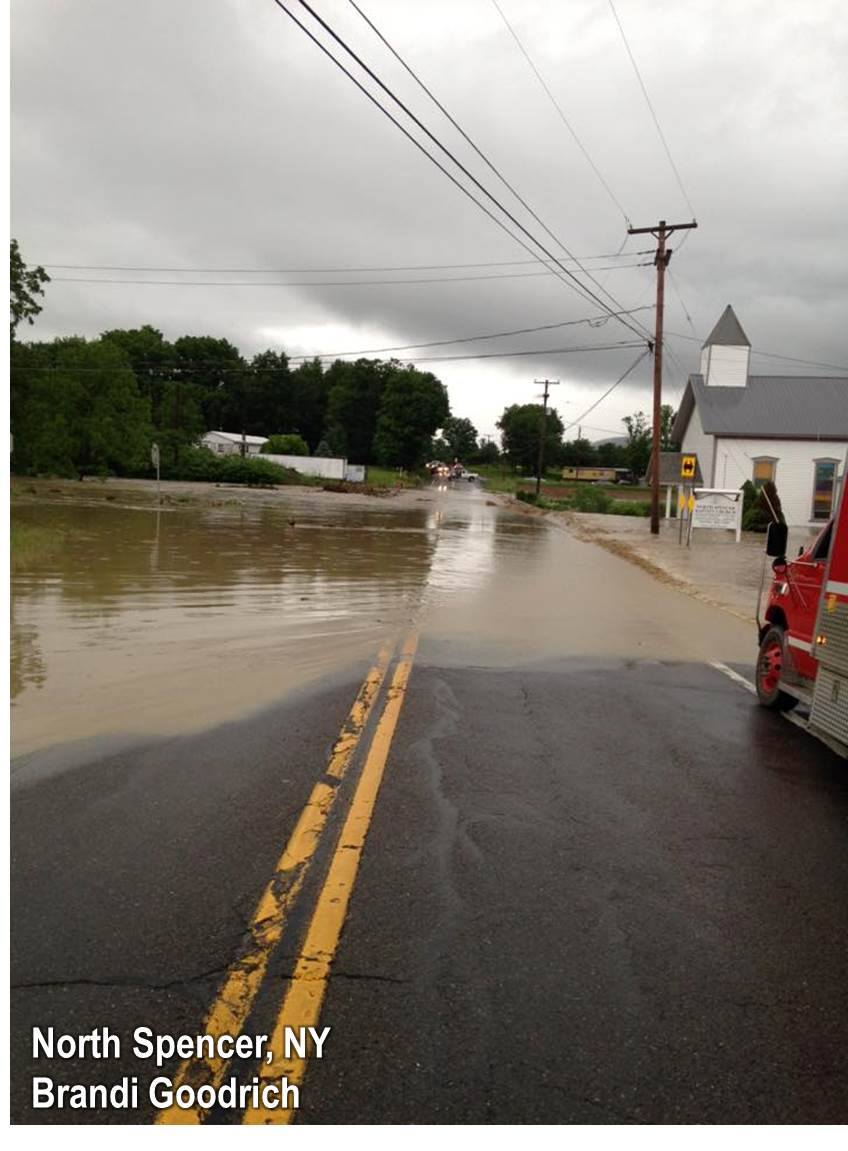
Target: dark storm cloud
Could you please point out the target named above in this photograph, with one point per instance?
(194, 133)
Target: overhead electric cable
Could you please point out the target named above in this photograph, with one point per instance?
(770, 355)
(538, 352)
(417, 143)
(247, 369)
(651, 109)
(608, 392)
(677, 292)
(576, 283)
(326, 271)
(324, 283)
(560, 112)
(592, 321)
(457, 126)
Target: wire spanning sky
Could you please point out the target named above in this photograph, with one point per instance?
(206, 135)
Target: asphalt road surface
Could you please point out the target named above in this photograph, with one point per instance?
(546, 862)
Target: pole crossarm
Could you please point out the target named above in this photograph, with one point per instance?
(661, 231)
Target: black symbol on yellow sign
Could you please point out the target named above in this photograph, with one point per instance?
(687, 468)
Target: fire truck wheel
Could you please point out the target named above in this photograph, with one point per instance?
(769, 667)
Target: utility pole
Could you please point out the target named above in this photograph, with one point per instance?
(543, 430)
(662, 231)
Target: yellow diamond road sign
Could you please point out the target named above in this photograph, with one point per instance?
(687, 467)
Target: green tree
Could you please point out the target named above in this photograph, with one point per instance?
(309, 389)
(638, 448)
(323, 450)
(487, 452)
(213, 376)
(353, 403)
(81, 411)
(151, 358)
(520, 427)
(461, 437)
(667, 418)
(24, 285)
(440, 449)
(290, 445)
(579, 453)
(270, 407)
(611, 455)
(413, 405)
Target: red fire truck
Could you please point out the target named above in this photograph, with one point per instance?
(803, 655)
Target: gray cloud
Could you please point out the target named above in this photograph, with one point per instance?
(204, 134)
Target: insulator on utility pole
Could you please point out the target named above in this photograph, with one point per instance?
(662, 231)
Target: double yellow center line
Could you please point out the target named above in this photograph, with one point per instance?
(301, 1005)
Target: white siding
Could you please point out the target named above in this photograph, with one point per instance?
(226, 446)
(726, 367)
(697, 442)
(794, 471)
(327, 467)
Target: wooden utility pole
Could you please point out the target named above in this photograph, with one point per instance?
(543, 431)
(662, 231)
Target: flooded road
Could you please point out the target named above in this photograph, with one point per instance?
(542, 812)
(141, 620)
(146, 620)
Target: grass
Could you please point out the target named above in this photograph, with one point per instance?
(30, 545)
(391, 478)
(587, 499)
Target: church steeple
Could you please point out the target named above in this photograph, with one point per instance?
(726, 353)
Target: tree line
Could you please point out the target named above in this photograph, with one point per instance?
(95, 406)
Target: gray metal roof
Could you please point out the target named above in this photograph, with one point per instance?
(781, 407)
(670, 469)
(727, 332)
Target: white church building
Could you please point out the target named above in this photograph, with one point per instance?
(789, 429)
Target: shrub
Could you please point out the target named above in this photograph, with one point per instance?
(527, 497)
(592, 499)
(291, 445)
(201, 465)
(631, 508)
(756, 513)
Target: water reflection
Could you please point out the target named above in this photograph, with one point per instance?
(163, 617)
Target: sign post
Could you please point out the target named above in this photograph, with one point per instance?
(154, 459)
(688, 465)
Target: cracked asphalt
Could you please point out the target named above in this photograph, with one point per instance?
(600, 884)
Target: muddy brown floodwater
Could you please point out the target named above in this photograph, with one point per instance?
(148, 620)
(143, 620)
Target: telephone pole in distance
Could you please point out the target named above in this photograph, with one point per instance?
(661, 231)
(543, 430)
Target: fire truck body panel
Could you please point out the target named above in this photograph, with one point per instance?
(808, 608)
(829, 712)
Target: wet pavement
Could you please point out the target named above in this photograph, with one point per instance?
(600, 885)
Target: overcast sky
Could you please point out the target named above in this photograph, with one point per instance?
(200, 134)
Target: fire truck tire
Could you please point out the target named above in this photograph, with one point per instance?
(769, 666)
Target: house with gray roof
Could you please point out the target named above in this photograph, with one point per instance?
(789, 429)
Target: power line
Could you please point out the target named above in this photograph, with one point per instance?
(592, 321)
(417, 143)
(492, 167)
(576, 283)
(193, 362)
(609, 390)
(326, 271)
(247, 369)
(651, 109)
(677, 292)
(771, 355)
(321, 283)
(560, 112)
(532, 352)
